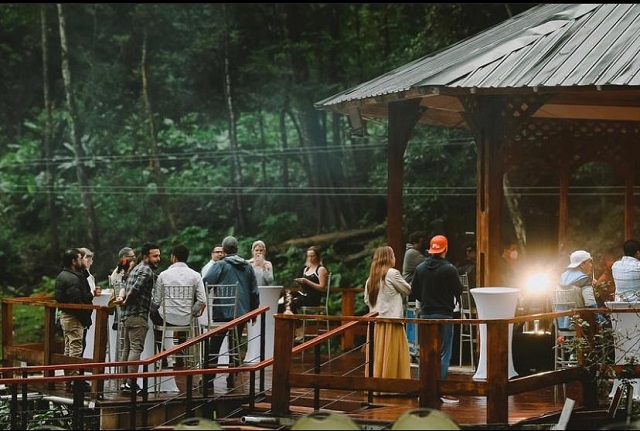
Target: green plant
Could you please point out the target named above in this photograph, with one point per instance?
(597, 350)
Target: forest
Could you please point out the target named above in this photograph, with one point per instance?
(184, 123)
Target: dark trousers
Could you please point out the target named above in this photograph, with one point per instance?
(212, 353)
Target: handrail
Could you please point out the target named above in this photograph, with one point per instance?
(147, 361)
(496, 388)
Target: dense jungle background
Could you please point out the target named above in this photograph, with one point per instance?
(122, 124)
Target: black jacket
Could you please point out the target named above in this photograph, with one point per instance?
(435, 284)
(73, 288)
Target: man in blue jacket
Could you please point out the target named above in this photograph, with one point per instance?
(229, 270)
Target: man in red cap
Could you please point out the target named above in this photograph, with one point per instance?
(437, 286)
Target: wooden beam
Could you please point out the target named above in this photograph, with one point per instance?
(403, 116)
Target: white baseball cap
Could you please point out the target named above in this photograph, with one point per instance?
(578, 257)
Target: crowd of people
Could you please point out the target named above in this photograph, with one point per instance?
(140, 300)
(428, 277)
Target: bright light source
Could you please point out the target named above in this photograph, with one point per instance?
(537, 283)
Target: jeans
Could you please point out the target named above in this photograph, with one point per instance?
(446, 338)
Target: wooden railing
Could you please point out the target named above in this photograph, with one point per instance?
(43, 375)
(496, 388)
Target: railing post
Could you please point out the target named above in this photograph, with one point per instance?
(497, 351)
(7, 332)
(281, 390)
(429, 339)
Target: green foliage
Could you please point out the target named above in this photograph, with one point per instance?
(296, 171)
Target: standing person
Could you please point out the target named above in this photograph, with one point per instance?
(134, 314)
(508, 264)
(177, 311)
(261, 266)
(118, 277)
(72, 287)
(88, 261)
(414, 255)
(233, 269)
(384, 292)
(437, 286)
(468, 265)
(626, 272)
(217, 253)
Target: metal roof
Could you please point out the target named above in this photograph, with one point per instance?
(546, 48)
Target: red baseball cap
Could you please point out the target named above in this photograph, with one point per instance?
(438, 244)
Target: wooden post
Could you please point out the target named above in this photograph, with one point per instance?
(430, 345)
(281, 390)
(403, 116)
(497, 371)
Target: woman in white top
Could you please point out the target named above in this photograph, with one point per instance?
(384, 292)
(262, 267)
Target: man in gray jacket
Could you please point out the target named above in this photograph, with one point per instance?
(229, 270)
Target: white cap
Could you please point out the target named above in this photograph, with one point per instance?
(578, 257)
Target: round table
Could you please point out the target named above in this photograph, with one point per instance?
(494, 303)
(269, 295)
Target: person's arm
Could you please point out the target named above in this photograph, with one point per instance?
(400, 284)
(201, 298)
(323, 274)
(268, 273)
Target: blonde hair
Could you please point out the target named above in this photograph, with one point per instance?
(383, 259)
(258, 243)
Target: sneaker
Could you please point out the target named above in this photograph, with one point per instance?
(126, 387)
(449, 399)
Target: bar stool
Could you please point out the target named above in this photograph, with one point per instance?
(322, 310)
(177, 301)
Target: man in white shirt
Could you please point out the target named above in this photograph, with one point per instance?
(626, 272)
(177, 311)
(216, 254)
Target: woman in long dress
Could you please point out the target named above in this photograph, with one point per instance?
(384, 292)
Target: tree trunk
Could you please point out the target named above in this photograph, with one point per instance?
(76, 139)
(54, 238)
(285, 146)
(155, 160)
(236, 172)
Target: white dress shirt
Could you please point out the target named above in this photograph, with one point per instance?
(177, 311)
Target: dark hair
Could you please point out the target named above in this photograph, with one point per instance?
(69, 256)
(631, 247)
(215, 246)
(147, 247)
(181, 252)
(417, 236)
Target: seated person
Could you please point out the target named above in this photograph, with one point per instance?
(626, 272)
(579, 273)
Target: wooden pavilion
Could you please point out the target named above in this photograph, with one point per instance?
(558, 83)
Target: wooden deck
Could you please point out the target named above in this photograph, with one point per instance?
(380, 413)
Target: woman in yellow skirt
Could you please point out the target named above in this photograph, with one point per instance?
(384, 292)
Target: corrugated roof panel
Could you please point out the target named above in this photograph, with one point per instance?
(556, 45)
(583, 51)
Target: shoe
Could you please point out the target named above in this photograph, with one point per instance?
(449, 399)
(126, 387)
